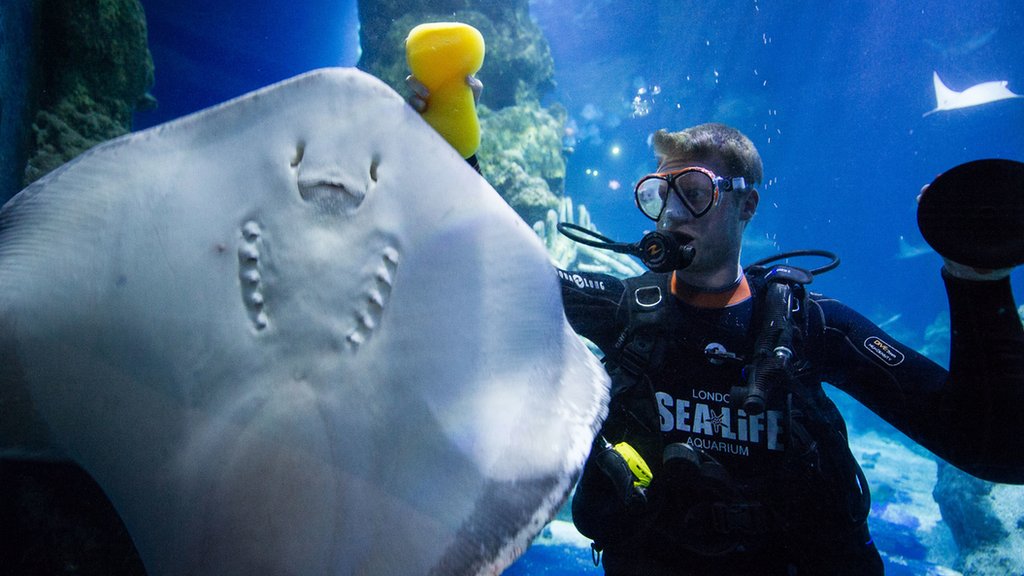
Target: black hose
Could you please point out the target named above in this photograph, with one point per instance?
(832, 264)
(772, 350)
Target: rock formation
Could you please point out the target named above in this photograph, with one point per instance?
(987, 522)
(92, 70)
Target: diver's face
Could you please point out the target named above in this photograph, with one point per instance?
(717, 235)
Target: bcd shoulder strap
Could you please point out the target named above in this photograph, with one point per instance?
(643, 304)
(633, 412)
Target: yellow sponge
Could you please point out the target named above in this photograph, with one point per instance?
(441, 55)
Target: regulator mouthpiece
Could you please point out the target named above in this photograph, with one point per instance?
(664, 253)
(659, 251)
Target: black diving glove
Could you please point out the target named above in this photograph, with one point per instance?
(614, 466)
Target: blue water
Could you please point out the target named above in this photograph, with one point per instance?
(831, 93)
(833, 97)
(207, 51)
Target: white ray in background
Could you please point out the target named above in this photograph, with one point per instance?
(984, 93)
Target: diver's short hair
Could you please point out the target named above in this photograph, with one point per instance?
(712, 140)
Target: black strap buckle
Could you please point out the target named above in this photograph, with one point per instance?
(739, 518)
(635, 357)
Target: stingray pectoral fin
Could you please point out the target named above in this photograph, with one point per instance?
(943, 95)
(514, 446)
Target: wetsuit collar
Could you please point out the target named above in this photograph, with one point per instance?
(732, 294)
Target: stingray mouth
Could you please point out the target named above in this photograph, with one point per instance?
(332, 197)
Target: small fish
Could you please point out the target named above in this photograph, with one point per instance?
(908, 250)
(947, 99)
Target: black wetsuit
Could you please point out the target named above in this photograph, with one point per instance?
(798, 479)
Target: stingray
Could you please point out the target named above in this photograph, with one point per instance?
(947, 99)
(294, 334)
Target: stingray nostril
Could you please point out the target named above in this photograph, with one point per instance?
(374, 164)
(300, 151)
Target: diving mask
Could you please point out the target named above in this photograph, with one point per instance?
(699, 189)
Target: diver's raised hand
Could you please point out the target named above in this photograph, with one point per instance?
(420, 93)
(476, 86)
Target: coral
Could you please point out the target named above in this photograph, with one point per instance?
(95, 70)
(520, 152)
(521, 141)
(62, 133)
(521, 156)
(905, 520)
(965, 505)
(985, 519)
(571, 255)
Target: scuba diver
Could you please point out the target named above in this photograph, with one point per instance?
(721, 453)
